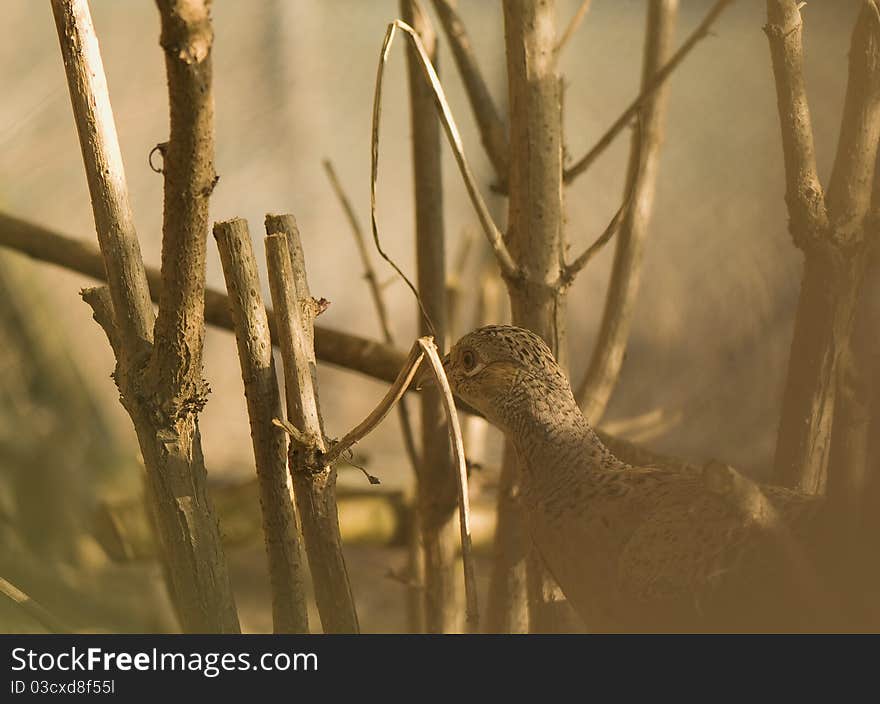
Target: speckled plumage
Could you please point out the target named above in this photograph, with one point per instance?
(633, 548)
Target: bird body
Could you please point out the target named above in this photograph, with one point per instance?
(634, 548)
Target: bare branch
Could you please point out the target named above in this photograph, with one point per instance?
(806, 205)
(286, 571)
(852, 178)
(404, 378)
(573, 25)
(508, 267)
(314, 480)
(570, 271)
(370, 357)
(105, 173)
(168, 434)
(32, 608)
(835, 250)
(188, 168)
(493, 132)
(536, 238)
(379, 303)
(606, 360)
(647, 92)
(360, 241)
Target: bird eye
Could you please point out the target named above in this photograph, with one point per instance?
(468, 360)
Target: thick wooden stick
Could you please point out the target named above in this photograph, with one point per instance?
(314, 480)
(289, 613)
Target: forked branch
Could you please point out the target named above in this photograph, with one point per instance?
(570, 271)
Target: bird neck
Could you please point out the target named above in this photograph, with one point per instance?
(549, 431)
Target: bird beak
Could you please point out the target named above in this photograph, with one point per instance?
(425, 376)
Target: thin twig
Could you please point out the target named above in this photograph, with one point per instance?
(32, 608)
(299, 437)
(648, 90)
(98, 298)
(505, 261)
(572, 26)
(360, 241)
(395, 392)
(493, 132)
(570, 271)
(406, 429)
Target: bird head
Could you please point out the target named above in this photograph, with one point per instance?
(502, 370)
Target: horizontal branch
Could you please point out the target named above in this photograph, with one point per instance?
(648, 90)
(359, 354)
(370, 516)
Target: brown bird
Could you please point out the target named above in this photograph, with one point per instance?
(638, 548)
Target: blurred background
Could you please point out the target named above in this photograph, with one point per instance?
(293, 85)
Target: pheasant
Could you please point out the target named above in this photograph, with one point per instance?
(636, 548)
